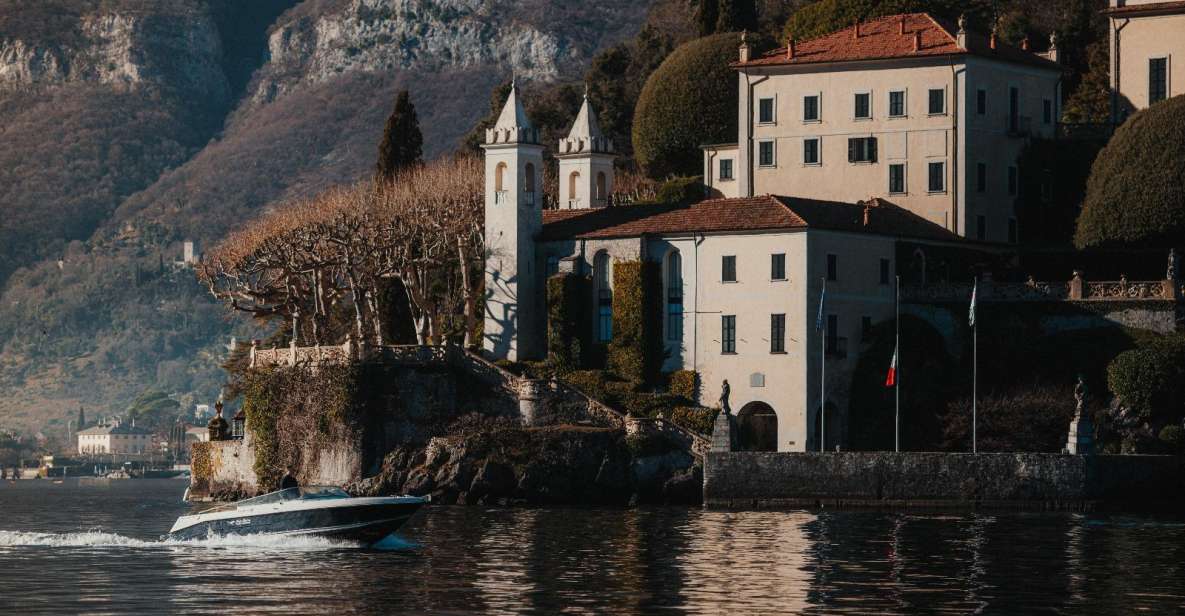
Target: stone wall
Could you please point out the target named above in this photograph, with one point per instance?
(887, 479)
(222, 470)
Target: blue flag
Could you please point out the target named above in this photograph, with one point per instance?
(822, 301)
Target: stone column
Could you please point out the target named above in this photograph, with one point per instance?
(722, 439)
(530, 396)
(1077, 286)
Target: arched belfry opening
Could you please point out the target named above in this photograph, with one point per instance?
(757, 427)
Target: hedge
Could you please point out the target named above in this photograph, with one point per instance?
(684, 383)
(681, 190)
(635, 351)
(568, 326)
(1150, 380)
(689, 100)
(1136, 192)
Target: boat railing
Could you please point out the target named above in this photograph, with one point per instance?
(287, 494)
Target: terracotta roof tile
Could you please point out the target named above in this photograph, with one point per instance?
(882, 38)
(765, 213)
(1152, 8)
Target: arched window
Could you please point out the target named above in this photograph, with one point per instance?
(603, 291)
(573, 182)
(674, 280)
(499, 176)
(600, 186)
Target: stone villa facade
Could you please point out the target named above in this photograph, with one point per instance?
(857, 148)
(1147, 53)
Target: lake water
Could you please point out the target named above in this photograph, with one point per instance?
(96, 549)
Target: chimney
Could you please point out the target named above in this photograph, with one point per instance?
(901, 26)
(856, 32)
(917, 40)
(790, 49)
(744, 49)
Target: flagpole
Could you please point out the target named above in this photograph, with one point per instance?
(823, 373)
(974, 370)
(897, 371)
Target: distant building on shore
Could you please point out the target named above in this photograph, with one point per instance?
(114, 438)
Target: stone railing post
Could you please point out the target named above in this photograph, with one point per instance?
(530, 392)
(254, 348)
(1077, 286)
(292, 352)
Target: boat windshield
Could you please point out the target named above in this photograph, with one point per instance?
(289, 494)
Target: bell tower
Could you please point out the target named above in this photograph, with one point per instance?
(586, 163)
(513, 219)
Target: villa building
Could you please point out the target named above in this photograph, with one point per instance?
(114, 438)
(1147, 53)
(862, 150)
(929, 115)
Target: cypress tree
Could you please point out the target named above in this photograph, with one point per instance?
(707, 15)
(81, 419)
(402, 144)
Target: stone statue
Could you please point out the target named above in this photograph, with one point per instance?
(1081, 437)
(724, 391)
(217, 428)
(1171, 274)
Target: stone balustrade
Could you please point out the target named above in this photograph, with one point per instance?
(1077, 289)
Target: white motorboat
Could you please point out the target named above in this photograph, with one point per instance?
(314, 510)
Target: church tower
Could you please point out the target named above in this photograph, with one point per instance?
(514, 217)
(586, 163)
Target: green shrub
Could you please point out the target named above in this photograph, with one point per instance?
(695, 418)
(1136, 192)
(568, 297)
(1173, 437)
(591, 382)
(1150, 379)
(1033, 418)
(635, 351)
(685, 384)
(681, 190)
(689, 100)
(645, 445)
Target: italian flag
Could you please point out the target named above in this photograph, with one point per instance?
(891, 380)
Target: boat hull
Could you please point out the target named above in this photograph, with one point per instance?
(366, 524)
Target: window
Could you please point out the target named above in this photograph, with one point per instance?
(897, 104)
(1013, 234)
(674, 296)
(937, 177)
(1012, 181)
(602, 186)
(980, 177)
(866, 328)
(765, 111)
(897, 178)
(885, 271)
(832, 267)
(728, 268)
(981, 102)
(862, 150)
(1157, 79)
(832, 333)
(863, 110)
(1047, 111)
(725, 168)
(777, 267)
(937, 101)
(728, 333)
(1013, 110)
(777, 333)
(765, 153)
(981, 227)
(810, 151)
(604, 295)
(810, 108)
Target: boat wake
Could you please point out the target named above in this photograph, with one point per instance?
(100, 539)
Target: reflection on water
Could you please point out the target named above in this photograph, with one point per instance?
(97, 549)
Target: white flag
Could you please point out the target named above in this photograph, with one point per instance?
(974, 290)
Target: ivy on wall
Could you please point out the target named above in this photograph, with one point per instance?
(568, 321)
(635, 352)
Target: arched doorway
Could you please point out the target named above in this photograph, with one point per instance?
(757, 428)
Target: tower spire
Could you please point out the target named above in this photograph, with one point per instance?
(513, 125)
(585, 134)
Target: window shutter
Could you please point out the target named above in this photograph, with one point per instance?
(872, 149)
(852, 145)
